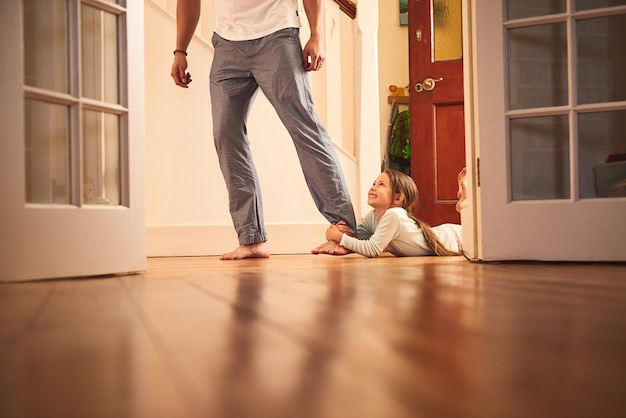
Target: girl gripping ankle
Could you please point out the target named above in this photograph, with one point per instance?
(391, 226)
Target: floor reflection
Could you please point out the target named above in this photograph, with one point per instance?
(284, 385)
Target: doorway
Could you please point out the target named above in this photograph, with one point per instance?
(437, 106)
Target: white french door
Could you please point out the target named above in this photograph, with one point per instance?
(548, 97)
(71, 156)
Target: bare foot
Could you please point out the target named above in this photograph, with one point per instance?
(324, 248)
(330, 247)
(339, 250)
(256, 250)
(462, 193)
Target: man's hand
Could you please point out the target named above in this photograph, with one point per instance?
(313, 55)
(179, 68)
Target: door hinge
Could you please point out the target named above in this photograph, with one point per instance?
(477, 172)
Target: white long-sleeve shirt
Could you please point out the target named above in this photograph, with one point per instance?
(399, 234)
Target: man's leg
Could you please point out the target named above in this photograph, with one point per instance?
(232, 92)
(280, 73)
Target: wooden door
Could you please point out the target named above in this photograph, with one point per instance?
(436, 103)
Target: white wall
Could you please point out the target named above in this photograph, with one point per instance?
(187, 204)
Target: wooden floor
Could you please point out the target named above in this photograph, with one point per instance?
(318, 336)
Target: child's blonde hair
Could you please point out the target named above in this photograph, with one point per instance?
(405, 186)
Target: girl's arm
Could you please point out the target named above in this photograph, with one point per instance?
(364, 229)
(385, 232)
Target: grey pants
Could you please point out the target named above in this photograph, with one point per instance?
(273, 63)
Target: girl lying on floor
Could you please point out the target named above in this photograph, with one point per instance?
(391, 226)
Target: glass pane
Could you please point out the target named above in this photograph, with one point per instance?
(601, 59)
(46, 44)
(101, 158)
(448, 30)
(517, 9)
(602, 154)
(540, 158)
(47, 156)
(537, 66)
(99, 55)
(596, 4)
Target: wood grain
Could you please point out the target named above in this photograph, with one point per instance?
(318, 336)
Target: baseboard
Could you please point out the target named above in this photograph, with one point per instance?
(206, 240)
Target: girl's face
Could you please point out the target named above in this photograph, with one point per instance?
(380, 195)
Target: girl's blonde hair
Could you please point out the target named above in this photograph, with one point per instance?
(405, 186)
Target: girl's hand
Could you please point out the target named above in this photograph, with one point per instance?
(345, 229)
(333, 233)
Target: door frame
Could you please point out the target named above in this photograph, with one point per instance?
(435, 178)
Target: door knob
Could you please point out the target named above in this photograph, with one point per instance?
(428, 84)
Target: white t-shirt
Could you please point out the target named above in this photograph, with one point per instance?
(243, 20)
(399, 234)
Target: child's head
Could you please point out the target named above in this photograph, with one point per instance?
(404, 194)
(403, 185)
